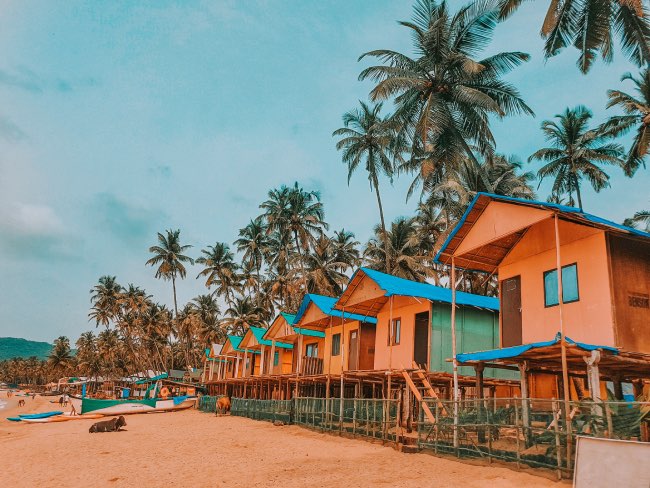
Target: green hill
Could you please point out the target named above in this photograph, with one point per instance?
(12, 347)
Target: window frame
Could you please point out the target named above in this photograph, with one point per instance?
(276, 358)
(554, 270)
(338, 344)
(314, 347)
(391, 330)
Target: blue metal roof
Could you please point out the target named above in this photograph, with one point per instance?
(235, 341)
(258, 332)
(290, 318)
(514, 351)
(393, 285)
(309, 332)
(326, 305)
(553, 206)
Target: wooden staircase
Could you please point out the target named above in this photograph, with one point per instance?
(421, 377)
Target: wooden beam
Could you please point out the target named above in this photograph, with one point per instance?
(416, 393)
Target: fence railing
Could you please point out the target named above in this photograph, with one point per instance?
(208, 403)
(311, 366)
(270, 410)
(530, 432)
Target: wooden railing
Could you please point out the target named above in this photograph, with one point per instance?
(311, 366)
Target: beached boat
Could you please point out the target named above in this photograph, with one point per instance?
(129, 406)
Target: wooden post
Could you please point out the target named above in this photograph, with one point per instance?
(558, 444)
(341, 410)
(262, 361)
(299, 354)
(525, 406)
(479, 394)
(593, 380)
(245, 370)
(565, 369)
(272, 359)
(237, 367)
(453, 348)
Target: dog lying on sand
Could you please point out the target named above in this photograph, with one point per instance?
(113, 425)
(21, 403)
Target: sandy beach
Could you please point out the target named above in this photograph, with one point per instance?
(198, 449)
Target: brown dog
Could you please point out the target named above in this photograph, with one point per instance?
(21, 403)
(223, 405)
(113, 425)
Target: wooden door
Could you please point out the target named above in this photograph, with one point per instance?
(353, 357)
(511, 312)
(421, 340)
(367, 333)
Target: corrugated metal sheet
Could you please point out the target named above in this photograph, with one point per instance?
(393, 285)
(326, 305)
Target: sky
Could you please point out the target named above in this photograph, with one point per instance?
(121, 119)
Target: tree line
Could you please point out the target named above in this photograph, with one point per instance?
(444, 96)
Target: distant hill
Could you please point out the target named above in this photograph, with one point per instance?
(12, 347)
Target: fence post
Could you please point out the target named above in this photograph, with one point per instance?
(435, 441)
(558, 444)
(517, 432)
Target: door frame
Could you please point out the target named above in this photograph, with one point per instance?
(358, 339)
(501, 310)
(428, 312)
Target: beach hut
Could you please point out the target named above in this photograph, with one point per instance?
(281, 331)
(414, 320)
(269, 350)
(235, 356)
(561, 271)
(346, 340)
(252, 353)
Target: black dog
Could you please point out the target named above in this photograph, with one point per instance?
(112, 425)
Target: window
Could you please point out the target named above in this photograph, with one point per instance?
(395, 332)
(639, 300)
(336, 344)
(312, 350)
(569, 285)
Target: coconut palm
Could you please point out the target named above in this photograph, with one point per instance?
(406, 261)
(373, 140)
(169, 257)
(324, 272)
(252, 242)
(589, 25)
(642, 217)
(241, 314)
(346, 249)
(297, 212)
(220, 268)
(637, 116)
(444, 95)
(60, 357)
(105, 300)
(575, 153)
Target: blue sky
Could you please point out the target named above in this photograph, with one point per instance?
(120, 119)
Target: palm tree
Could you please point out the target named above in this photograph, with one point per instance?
(207, 309)
(298, 212)
(588, 25)
(443, 95)
(221, 269)
(642, 217)
(575, 153)
(374, 140)
(637, 115)
(60, 358)
(404, 256)
(324, 272)
(252, 242)
(105, 300)
(169, 257)
(346, 249)
(240, 315)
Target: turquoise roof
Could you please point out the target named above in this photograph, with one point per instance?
(258, 332)
(309, 332)
(326, 305)
(290, 318)
(235, 341)
(393, 285)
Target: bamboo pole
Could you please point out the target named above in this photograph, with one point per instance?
(565, 370)
(453, 348)
(341, 410)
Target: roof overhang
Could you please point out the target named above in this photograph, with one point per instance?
(486, 251)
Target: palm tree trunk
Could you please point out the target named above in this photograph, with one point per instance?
(174, 287)
(375, 183)
(577, 184)
(302, 264)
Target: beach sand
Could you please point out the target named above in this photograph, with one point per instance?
(196, 449)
